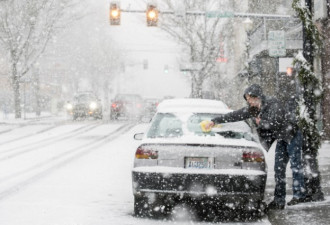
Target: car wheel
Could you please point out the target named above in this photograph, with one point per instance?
(260, 211)
(141, 207)
(158, 209)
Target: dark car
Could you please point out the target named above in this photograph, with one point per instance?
(217, 171)
(86, 105)
(127, 106)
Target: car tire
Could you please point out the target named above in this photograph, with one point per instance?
(141, 207)
(260, 211)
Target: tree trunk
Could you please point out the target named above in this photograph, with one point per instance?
(16, 89)
(36, 84)
(196, 87)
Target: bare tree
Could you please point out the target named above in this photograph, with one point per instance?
(105, 65)
(198, 33)
(26, 27)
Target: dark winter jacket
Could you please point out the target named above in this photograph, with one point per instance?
(276, 123)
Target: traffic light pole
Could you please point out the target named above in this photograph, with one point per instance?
(152, 14)
(216, 14)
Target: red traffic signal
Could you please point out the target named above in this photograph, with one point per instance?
(114, 14)
(152, 15)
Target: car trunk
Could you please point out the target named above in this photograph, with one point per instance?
(197, 156)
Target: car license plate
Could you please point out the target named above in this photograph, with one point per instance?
(199, 162)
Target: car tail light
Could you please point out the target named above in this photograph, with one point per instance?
(142, 153)
(113, 105)
(253, 156)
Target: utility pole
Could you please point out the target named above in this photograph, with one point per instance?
(310, 151)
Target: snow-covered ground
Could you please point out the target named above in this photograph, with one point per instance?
(59, 172)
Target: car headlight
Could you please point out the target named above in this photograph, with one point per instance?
(93, 105)
(69, 106)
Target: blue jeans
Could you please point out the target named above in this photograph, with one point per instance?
(284, 152)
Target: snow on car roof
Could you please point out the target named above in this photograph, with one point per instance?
(192, 105)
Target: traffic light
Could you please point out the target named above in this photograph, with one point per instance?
(114, 14)
(152, 15)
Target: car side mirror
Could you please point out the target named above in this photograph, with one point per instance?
(138, 136)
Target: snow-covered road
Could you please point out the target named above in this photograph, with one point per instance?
(70, 174)
(73, 173)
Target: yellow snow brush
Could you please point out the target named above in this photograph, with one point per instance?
(203, 124)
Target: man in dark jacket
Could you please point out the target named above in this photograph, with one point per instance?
(274, 122)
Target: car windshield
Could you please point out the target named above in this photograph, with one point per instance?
(167, 125)
(84, 98)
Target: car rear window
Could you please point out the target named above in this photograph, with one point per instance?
(167, 125)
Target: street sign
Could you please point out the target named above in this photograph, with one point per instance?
(219, 14)
(276, 43)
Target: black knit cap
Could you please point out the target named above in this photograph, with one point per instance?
(254, 90)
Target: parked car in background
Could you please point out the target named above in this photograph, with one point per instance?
(129, 106)
(216, 171)
(86, 105)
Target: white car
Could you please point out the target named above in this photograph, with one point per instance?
(176, 162)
